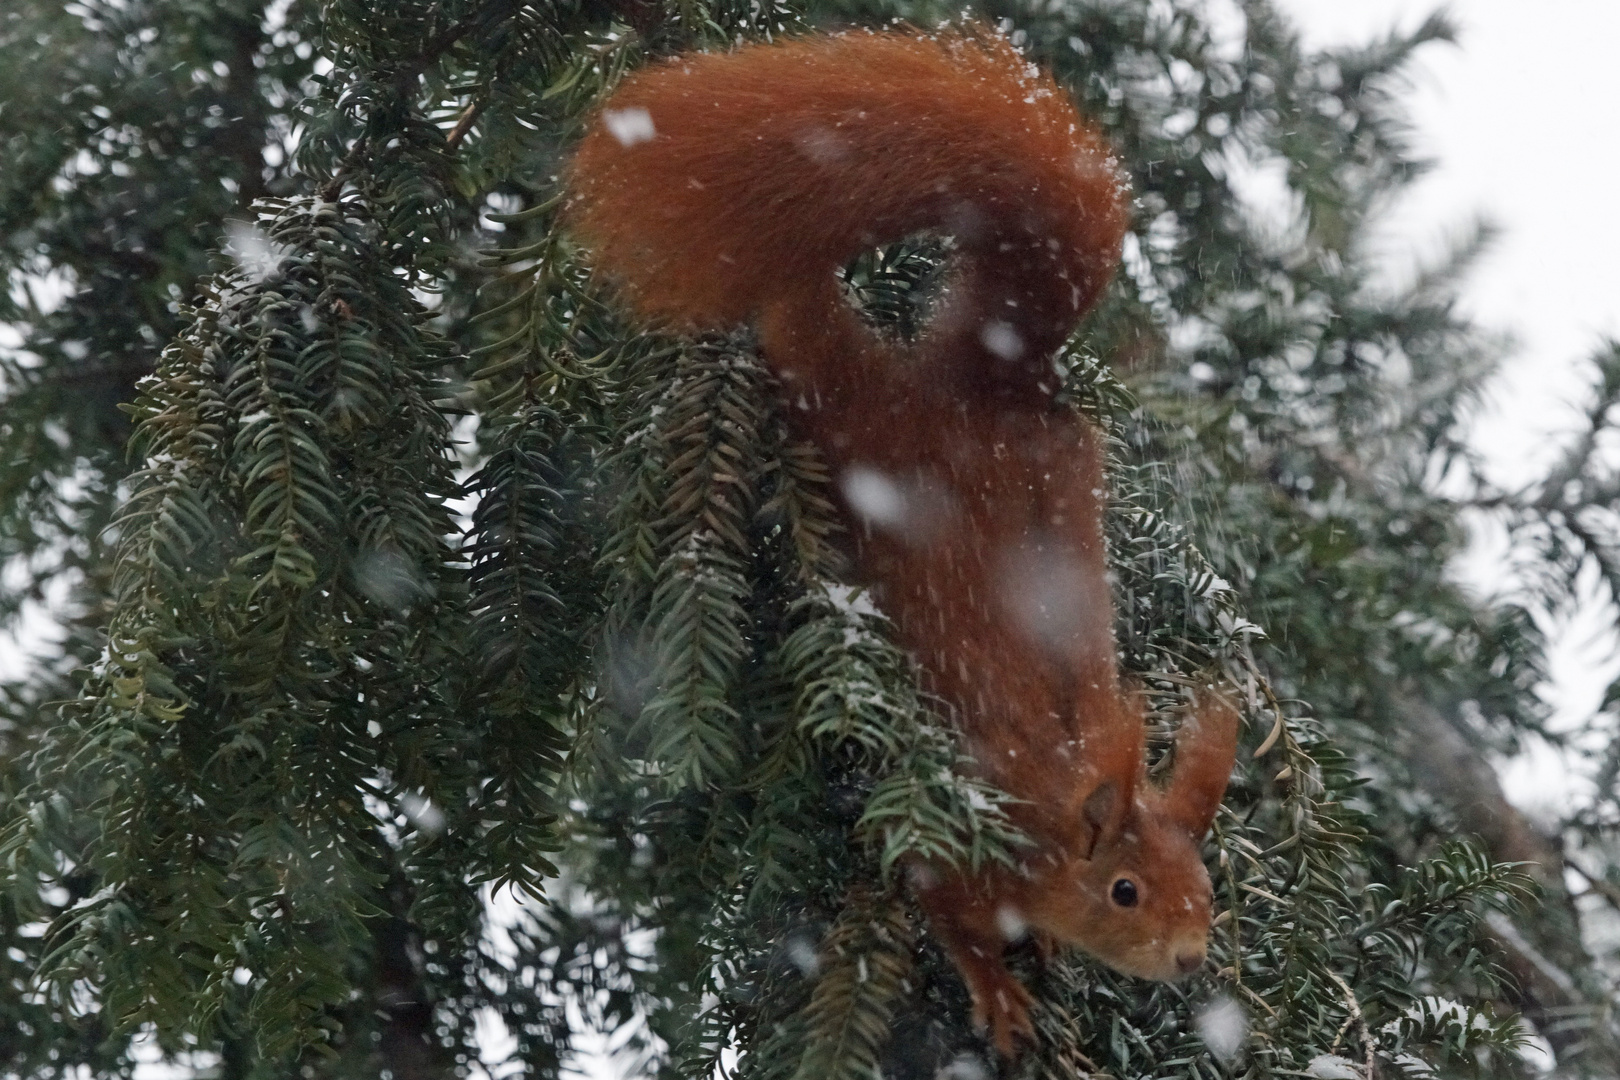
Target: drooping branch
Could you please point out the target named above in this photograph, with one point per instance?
(1457, 774)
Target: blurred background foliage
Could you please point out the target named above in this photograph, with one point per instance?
(443, 669)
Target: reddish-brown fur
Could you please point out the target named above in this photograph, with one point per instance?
(726, 189)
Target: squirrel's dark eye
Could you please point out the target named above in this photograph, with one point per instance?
(1124, 892)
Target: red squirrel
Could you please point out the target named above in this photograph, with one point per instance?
(720, 190)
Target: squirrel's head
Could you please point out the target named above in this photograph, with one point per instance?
(1137, 896)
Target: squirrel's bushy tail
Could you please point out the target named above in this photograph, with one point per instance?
(726, 188)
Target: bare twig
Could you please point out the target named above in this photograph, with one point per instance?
(1605, 889)
(1360, 1021)
(469, 117)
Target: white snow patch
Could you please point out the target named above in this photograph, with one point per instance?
(1223, 1025)
(1234, 626)
(852, 600)
(1331, 1067)
(964, 1067)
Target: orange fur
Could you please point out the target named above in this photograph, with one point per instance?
(725, 189)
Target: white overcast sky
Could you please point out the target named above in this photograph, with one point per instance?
(1523, 118)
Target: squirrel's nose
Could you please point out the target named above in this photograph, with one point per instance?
(1190, 962)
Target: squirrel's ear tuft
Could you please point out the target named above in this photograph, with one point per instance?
(1206, 747)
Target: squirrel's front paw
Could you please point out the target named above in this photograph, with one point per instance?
(1001, 1006)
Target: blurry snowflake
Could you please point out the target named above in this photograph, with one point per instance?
(629, 126)
(421, 812)
(388, 578)
(255, 254)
